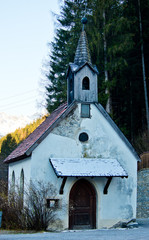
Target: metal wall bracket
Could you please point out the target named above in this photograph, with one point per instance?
(61, 191)
(105, 191)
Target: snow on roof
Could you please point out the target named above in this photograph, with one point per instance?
(87, 167)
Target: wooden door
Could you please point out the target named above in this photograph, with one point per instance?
(82, 206)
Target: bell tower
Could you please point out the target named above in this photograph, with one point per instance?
(82, 75)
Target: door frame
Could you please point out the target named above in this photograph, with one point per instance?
(92, 197)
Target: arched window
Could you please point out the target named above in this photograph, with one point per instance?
(86, 83)
(22, 183)
(71, 84)
(13, 182)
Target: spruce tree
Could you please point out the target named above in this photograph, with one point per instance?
(8, 145)
(114, 24)
(63, 50)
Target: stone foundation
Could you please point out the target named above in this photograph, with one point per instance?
(143, 194)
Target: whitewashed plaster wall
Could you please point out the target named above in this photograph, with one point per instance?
(104, 142)
(120, 202)
(17, 168)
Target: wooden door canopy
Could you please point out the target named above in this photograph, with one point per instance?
(105, 191)
(61, 191)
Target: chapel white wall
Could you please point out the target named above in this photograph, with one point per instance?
(17, 167)
(104, 142)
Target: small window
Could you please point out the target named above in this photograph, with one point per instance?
(52, 203)
(85, 110)
(86, 83)
(13, 182)
(71, 84)
(22, 183)
(83, 137)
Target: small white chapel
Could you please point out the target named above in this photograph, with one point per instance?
(81, 151)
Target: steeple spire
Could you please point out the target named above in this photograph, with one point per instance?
(82, 54)
(82, 75)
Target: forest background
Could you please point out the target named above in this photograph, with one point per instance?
(118, 36)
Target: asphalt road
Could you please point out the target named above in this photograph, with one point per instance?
(140, 233)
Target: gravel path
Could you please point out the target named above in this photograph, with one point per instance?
(140, 233)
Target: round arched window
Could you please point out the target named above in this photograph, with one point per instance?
(83, 137)
(13, 182)
(22, 182)
(86, 83)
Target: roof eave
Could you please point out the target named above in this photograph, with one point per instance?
(91, 176)
(22, 157)
(78, 68)
(89, 65)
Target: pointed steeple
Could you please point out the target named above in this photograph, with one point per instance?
(82, 54)
(82, 75)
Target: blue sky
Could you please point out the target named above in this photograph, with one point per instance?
(26, 27)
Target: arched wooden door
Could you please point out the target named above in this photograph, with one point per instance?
(82, 206)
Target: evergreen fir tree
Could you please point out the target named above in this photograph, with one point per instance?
(8, 145)
(63, 50)
(115, 23)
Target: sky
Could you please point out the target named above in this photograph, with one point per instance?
(26, 28)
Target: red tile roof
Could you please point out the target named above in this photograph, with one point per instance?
(20, 151)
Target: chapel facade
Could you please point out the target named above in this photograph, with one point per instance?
(81, 151)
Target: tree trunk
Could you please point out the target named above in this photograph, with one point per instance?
(143, 67)
(108, 105)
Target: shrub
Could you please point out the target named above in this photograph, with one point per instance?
(28, 211)
(38, 216)
(11, 207)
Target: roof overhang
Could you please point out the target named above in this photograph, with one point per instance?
(29, 145)
(15, 159)
(76, 68)
(87, 167)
